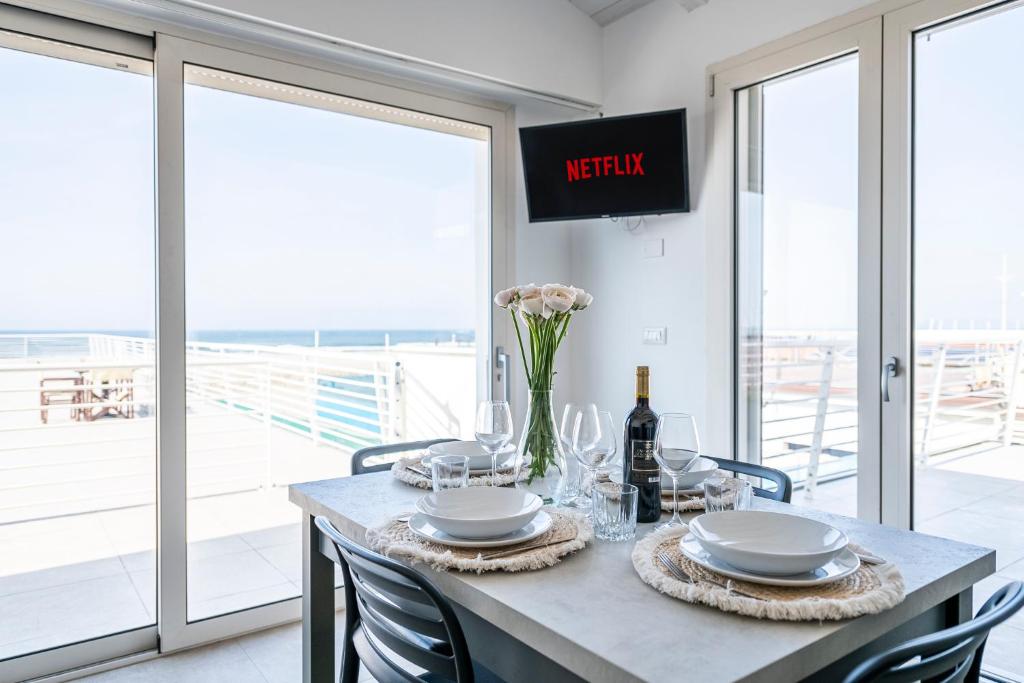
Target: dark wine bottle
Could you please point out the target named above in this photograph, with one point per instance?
(638, 464)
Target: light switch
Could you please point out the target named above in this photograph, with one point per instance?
(654, 248)
(655, 335)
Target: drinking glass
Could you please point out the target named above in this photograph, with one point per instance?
(449, 472)
(614, 509)
(494, 430)
(676, 448)
(574, 484)
(727, 494)
(594, 440)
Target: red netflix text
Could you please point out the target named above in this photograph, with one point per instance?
(608, 165)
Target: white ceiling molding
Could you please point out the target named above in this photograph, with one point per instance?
(605, 12)
(690, 5)
(201, 16)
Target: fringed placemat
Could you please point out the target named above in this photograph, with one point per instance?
(413, 472)
(869, 590)
(692, 499)
(569, 532)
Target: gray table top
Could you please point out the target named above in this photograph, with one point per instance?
(592, 614)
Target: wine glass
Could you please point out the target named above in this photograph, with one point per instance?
(574, 487)
(676, 448)
(594, 440)
(494, 430)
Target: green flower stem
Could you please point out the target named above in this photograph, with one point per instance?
(545, 336)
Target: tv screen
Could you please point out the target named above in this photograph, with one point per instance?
(616, 166)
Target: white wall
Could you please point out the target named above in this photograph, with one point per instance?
(547, 45)
(656, 58)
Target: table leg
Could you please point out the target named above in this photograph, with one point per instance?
(317, 608)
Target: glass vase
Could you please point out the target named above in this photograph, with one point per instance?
(540, 452)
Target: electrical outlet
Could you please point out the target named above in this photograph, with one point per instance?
(655, 335)
(654, 248)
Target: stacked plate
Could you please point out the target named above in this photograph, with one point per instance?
(480, 517)
(689, 482)
(479, 458)
(769, 547)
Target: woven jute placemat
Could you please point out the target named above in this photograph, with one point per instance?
(413, 472)
(869, 590)
(569, 532)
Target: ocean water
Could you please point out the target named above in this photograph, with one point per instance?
(13, 343)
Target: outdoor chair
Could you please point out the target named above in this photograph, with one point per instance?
(783, 484)
(359, 458)
(395, 617)
(950, 656)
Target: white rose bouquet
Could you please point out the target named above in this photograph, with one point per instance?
(546, 312)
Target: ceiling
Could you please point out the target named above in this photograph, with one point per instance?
(605, 12)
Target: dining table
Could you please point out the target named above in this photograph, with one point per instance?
(591, 618)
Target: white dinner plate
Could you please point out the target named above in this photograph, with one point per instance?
(479, 511)
(688, 481)
(479, 457)
(505, 465)
(840, 566)
(421, 526)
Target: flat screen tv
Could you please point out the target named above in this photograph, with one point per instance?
(615, 166)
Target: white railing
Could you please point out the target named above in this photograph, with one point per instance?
(239, 398)
(967, 393)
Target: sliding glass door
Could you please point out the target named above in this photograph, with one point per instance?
(956, 226)
(77, 363)
(805, 282)
(207, 299)
(333, 256)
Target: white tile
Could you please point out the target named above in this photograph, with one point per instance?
(218, 663)
(979, 529)
(277, 652)
(222, 575)
(62, 575)
(276, 535)
(64, 614)
(287, 559)
(237, 601)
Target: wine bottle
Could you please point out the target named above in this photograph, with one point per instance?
(638, 464)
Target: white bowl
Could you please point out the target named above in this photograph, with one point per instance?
(770, 543)
(702, 469)
(479, 458)
(480, 511)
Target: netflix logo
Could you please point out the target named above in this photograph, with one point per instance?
(608, 165)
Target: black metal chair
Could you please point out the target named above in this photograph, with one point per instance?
(395, 617)
(360, 457)
(950, 656)
(783, 484)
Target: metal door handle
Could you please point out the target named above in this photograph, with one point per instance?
(501, 363)
(890, 369)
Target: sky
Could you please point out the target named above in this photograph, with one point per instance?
(302, 218)
(969, 176)
(296, 218)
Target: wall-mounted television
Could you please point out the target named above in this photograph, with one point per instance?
(615, 166)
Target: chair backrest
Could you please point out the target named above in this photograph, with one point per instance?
(950, 656)
(783, 484)
(360, 457)
(392, 610)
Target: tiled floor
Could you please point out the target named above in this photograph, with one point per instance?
(272, 656)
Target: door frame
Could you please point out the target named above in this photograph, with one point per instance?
(172, 54)
(897, 246)
(863, 38)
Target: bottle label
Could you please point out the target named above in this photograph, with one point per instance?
(645, 467)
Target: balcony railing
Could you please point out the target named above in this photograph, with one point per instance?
(967, 394)
(54, 388)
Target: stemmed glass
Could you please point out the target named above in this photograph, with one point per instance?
(676, 448)
(574, 489)
(594, 440)
(494, 430)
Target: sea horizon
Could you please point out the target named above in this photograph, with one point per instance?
(288, 336)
